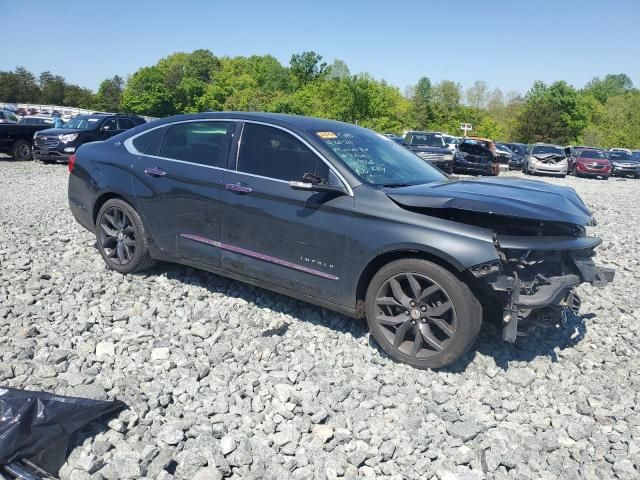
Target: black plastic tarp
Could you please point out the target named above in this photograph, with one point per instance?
(37, 426)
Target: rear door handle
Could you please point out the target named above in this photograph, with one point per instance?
(238, 188)
(155, 172)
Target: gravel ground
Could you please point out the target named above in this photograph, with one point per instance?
(228, 380)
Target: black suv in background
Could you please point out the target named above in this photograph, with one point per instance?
(55, 144)
(430, 146)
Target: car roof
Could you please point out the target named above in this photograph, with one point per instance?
(294, 122)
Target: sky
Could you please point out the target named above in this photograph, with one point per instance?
(508, 44)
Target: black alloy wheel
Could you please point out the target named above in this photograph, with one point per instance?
(421, 313)
(121, 237)
(117, 236)
(416, 315)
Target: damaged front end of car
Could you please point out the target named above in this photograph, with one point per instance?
(535, 273)
(539, 232)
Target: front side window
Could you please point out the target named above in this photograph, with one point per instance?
(110, 125)
(273, 153)
(197, 142)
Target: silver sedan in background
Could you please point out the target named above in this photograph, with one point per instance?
(544, 158)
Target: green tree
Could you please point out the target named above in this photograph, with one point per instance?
(147, 94)
(555, 113)
(51, 88)
(109, 94)
(307, 67)
(75, 96)
(611, 85)
(422, 111)
(478, 94)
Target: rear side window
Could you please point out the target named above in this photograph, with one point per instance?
(125, 123)
(197, 142)
(273, 153)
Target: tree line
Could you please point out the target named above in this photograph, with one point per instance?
(605, 113)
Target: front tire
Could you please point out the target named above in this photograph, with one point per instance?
(421, 314)
(121, 238)
(22, 150)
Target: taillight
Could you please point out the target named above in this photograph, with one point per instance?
(72, 162)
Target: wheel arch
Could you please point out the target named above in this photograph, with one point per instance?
(102, 198)
(384, 258)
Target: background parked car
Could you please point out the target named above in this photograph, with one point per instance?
(476, 155)
(430, 146)
(589, 162)
(624, 163)
(16, 140)
(451, 142)
(546, 159)
(503, 155)
(519, 152)
(7, 116)
(36, 120)
(59, 143)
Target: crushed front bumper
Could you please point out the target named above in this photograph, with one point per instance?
(523, 284)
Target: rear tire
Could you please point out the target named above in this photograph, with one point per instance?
(22, 150)
(121, 238)
(443, 319)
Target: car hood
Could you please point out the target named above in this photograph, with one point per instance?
(52, 132)
(513, 197)
(556, 157)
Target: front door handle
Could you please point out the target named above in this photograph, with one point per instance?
(155, 172)
(238, 188)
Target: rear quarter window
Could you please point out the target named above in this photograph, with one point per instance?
(147, 143)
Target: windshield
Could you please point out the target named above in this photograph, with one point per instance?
(518, 148)
(82, 122)
(504, 148)
(428, 139)
(546, 149)
(377, 160)
(592, 154)
(619, 156)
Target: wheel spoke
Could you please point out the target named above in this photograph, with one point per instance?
(392, 321)
(401, 333)
(388, 301)
(129, 242)
(429, 337)
(121, 253)
(111, 232)
(398, 293)
(417, 342)
(427, 292)
(444, 326)
(439, 310)
(415, 286)
(111, 219)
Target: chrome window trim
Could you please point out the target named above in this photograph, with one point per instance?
(128, 144)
